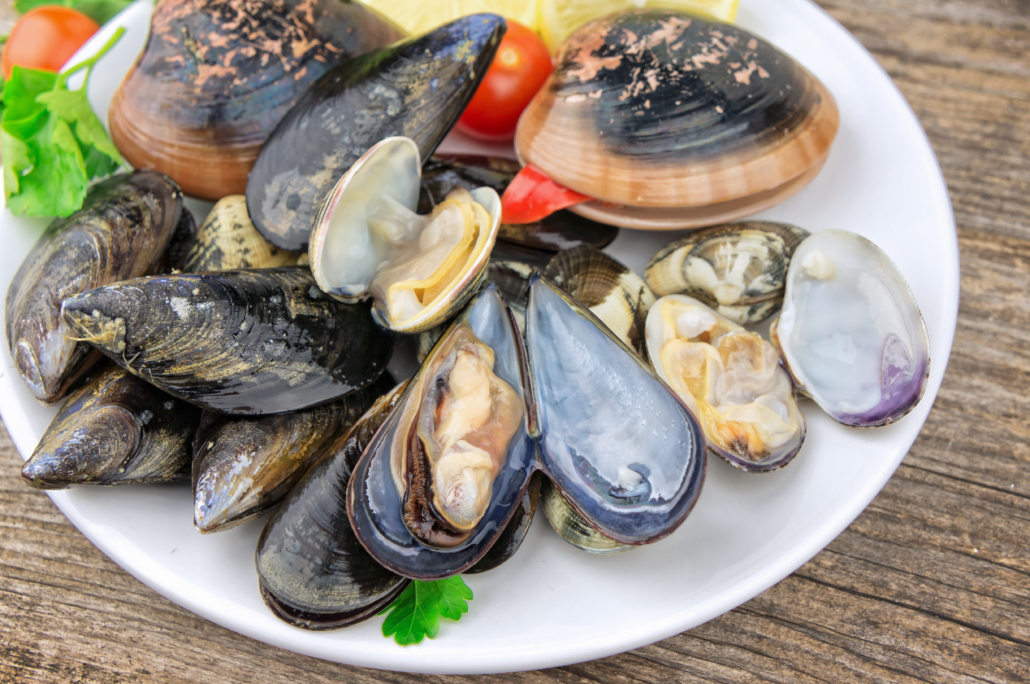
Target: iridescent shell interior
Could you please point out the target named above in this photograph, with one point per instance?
(677, 121)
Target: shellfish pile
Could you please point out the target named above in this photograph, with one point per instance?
(550, 370)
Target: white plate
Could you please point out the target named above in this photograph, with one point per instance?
(552, 604)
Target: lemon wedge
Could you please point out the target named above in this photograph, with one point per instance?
(418, 17)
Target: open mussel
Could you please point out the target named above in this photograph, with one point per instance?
(732, 381)
(121, 232)
(312, 570)
(738, 269)
(216, 76)
(416, 88)
(367, 240)
(241, 342)
(228, 240)
(850, 331)
(661, 119)
(115, 429)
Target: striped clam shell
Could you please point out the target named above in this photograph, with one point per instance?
(228, 240)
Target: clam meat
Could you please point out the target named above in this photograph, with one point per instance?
(732, 381)
(121, 232)
(663, 120)
(850, 332)
(241, 342)
(419, 269)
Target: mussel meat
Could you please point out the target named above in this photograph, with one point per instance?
(216, 76)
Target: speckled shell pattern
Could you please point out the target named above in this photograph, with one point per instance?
(115, 429)
(121, 232)
(573, 527)
(216, 76)
(228, 240)
(241, 342)
(416, 88)
(657, 109)
(738, 269)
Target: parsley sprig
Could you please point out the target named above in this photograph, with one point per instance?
(51, 141)
(416, 613)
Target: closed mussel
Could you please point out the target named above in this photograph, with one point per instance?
(738, 269)
(662, 119)
(416, 88)
(115, 429)
(850, 332)
(216, 76)
(121, 232)
(241, 342)
(368, 241)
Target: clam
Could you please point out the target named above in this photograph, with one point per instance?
(573, 527)
(243, 465)
(731, 380)
(850, 331)
(216, 76)
(618, 444)
(228, 240)
(369, 241)
(416, 88)
(738, 269)
(121, 232)
(312, 570)
(662, 120)
(115, 429)
(241, 342)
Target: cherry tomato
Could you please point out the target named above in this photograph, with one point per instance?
(45, 37)
(520, 67)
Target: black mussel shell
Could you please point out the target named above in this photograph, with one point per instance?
(374, 504)
(515, 533)
(417, 89)
(184, 237)
(241, 342)
(313, 571)
(115, 429)
(121, 232)
(216, 76)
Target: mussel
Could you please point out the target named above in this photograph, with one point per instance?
(115, 429)
(241, 342)
(419, 270)
(622, 449)
(312, 570)
(228, 240)
(216, 76)
(732, 381)
(121, 232)
(663, 119)
(738, 269)
(850, 331)
(416, 88)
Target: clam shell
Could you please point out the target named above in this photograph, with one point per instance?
(241, 342)
(733, 383)
(573, 527)
(675, 120)
(416, 88)
(850, 332)
(228, 240)
(121, 232)
(738, 269)
(115, 429)
(216, 76)
(312, 570)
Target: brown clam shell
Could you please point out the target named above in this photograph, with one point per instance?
(217, 75)
(677, 121)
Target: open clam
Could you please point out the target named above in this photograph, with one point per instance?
(369, 241)
(664, 120)
(731, 380)
(850, 331)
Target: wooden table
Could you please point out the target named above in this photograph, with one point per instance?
(931, 583)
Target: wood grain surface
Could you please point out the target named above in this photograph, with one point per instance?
(930, 584)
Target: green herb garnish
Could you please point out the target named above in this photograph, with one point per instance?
(99, 11)
(417, 611)
(51, 141)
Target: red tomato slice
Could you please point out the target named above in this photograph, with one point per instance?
(532, 196)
